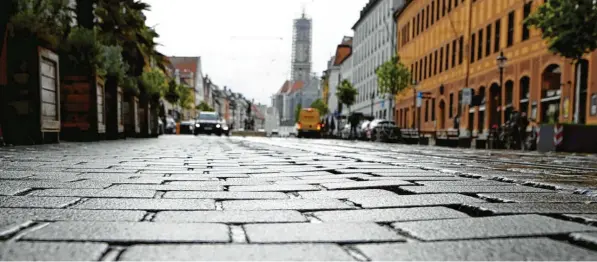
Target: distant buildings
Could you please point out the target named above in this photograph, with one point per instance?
(304, 86)
(189, 72)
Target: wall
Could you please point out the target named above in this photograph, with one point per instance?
(526, 58)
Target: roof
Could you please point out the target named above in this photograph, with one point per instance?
(343, 51)
(287, 89)
(185, 64)
(365, 11)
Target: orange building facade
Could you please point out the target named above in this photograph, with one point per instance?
(451, 45)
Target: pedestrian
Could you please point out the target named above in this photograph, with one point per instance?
(354, 121)
(332, 126)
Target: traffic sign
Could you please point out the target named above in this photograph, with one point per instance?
(419, 101)
(383, 102)
(467, 96)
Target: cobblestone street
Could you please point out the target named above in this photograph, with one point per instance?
(218, 198)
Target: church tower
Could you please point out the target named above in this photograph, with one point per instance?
(301, 48)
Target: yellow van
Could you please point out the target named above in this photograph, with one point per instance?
(308, 123)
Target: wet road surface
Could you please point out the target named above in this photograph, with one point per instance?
(216, 198)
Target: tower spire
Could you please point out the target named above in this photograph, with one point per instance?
(304, 12)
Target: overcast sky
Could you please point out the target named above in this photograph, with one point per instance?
(246, 44)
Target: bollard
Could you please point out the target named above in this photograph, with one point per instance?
(178, 128)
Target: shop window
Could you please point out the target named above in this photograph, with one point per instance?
(451, 105)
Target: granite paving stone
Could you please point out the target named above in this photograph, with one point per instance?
(95, 193)
(10, 225)
(313, 181)
(539, 197)
(9, 190)
(269, 188)
(230, 216)
(320, 232)
(412, 200)
(467, 182)
(490, 227)
(290, 204)
(418, 178)
(197, 187)
(244, 182)
(588, 238)
(30, 183)
(346, 194)
(147, 204)
(525, 249)
(389, 215)
(32, 201)
(225, 195)
(473, 189)
(44, 214)
(366, 184)
(130, 232)
(241, 252)
(535, 208)
(584, 218)
(40, 251)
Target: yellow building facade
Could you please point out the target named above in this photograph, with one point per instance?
(451, 45)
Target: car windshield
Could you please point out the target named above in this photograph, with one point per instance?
(203, 116)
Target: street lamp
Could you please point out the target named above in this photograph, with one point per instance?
(501, 64)
(372, 102)
(414, 85)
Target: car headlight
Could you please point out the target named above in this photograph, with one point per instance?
(197, 125)
(225, 128)
(218, 126)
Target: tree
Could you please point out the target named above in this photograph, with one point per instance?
(172, 94)
(185, 97)
(204, 107)
(154, 82)
(320, 106)
(570, 31)
(346, 93)
(297, 112)
(392, 78)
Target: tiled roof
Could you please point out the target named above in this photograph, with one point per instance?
(258, 113)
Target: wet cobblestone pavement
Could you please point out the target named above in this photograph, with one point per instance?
(215, 198)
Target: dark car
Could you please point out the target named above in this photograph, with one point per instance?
(187, 127)
(210, 123)
(383, 130)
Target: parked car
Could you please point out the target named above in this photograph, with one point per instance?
(345, 132)
(187, 127)
(160, 127)
(210, 123)
(383, 130)
(170, 126)
(362, 129)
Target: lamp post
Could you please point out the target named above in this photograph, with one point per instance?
(414, 84)
(372, 96)
(501, 64)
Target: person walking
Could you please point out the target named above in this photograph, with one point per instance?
(354, 121)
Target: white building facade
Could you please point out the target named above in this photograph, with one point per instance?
(373, 44)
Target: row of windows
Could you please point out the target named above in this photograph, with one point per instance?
(479, 43)
(426, 18)
(444, 58)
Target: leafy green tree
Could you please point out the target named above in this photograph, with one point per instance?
(320, 106)
(346, 93)
(569, 27)
(204, 107)
(172, 95)
(155, 82)
(185, 94)
(392, 78)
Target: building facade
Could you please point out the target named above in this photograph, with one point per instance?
(451, 46)
(373, 44)
(191, 75)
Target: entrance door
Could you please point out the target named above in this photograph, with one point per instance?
(50, 99)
